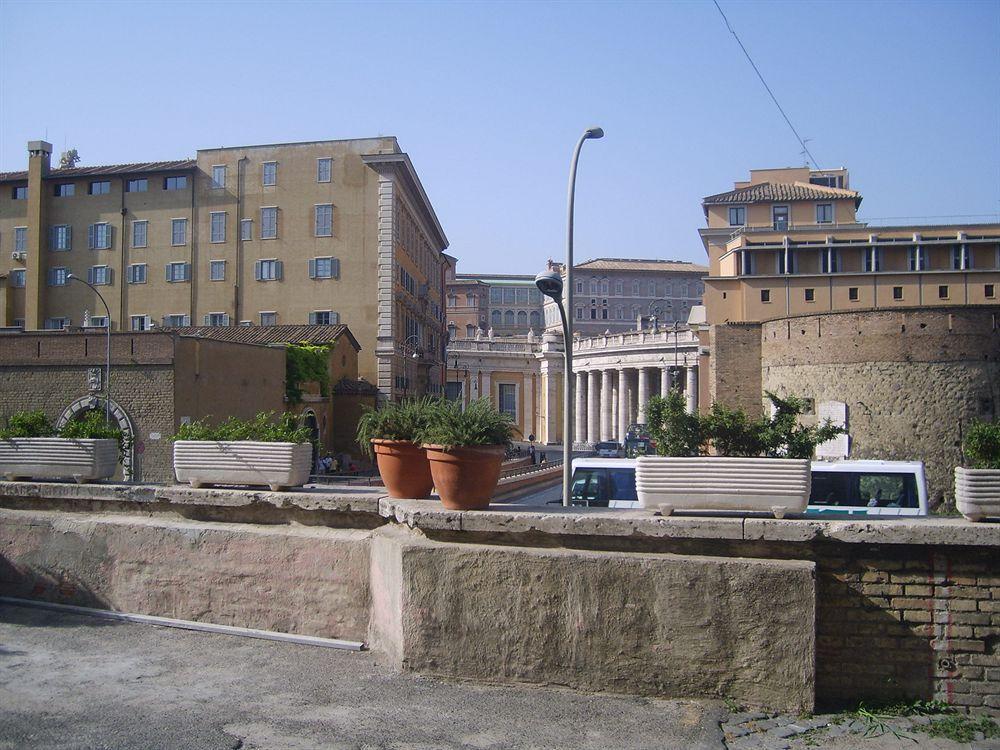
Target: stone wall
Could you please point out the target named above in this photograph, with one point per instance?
(734, 366)
(912, 381)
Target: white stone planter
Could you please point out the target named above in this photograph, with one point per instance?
(776, 485)
(278, 465)
(83, 459)
(977, 493)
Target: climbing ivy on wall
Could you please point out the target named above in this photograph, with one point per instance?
(306, 363)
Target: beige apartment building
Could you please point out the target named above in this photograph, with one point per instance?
(318, 233)
(788, 242)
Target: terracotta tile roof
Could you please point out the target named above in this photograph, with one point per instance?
(264, 335)
(767, 192)
(640, 264)
(183, 165)
(358, 387)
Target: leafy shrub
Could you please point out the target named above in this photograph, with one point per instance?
(982, 445)
(731, 432)
(92, 425)
(306, 363)
(261, 428)
(479, 424)
(27, 424)
(396, 420)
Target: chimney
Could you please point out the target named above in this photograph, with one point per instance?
(42, 151)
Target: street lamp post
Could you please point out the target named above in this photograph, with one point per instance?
(550, 284)
(107, 326)
(567, 296)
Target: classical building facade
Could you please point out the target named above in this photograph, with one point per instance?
(322, 232)
(897, 327)
(506, 304)
(621, 294)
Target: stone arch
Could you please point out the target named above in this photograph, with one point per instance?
(131, 460)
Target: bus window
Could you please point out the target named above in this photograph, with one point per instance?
(833, 488)
(887, 490)
(621, 484)
(586, 488)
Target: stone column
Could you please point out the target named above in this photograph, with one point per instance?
(623, 392)
(607, 400)
(580, 416)
(664, 381)
(487, 391)
(691, 390)
(643, 394)
(528, 420)
(593, 406)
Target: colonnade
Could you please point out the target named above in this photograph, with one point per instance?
(609, 400)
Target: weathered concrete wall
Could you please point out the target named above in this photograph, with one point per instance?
(654, 624)
(307, 580)
(912, 380)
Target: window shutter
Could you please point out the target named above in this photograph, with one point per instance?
(90, 236)
(206, 320)
(186, 320)
(109, 274)
(225, 319)
(187, 272)
(108, 244)
(312, 268)
(278, 268)
(334, 318)
(256, 270)
(168, 273)
(69, 238)
(52, 238)
(312, 318)
(90, 275)
(335, 268)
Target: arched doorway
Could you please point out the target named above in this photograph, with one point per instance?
(309, 421)
(131, 461)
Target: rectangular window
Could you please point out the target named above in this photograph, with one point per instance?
(989, 290)
(99, 187)
(830, 260)
(19, 193)
(324, 268)
(99, 275)
(139, 233)
(139, 322)
(64, 190)
(218, 226)
(269, 318)
(17, 278)
(269, 223)
(268, 270)
(20, 239)
(323, 169)
(323, 318)
(57, 276)
(765, 295)
(786, 261)
(579, 313)
(61, 237)
(852, 293)
(324, 220)
(19, 323)
(824, 213)
(246, 229)
(960, 259)
(508, 399)
(810, 295)
(270, 173)
(137, 273)
(747, 263)
(218, 176)
(619, 288)
(178, 271)
(737, 216)
(99, 321)
(943, 291)
(873, 259)
(217, 270)
(779, 218)
(178, 231)
(140, 185)
(179, 182)
(917, 259)
(57, 324)
(897, 292)
(99, 236)
(176, 321)
(216, 319)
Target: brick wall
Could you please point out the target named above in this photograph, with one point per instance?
(734, 366)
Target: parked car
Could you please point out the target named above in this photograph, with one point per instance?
(866, 488)
(608, 449)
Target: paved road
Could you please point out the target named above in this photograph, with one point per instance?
(69, 681)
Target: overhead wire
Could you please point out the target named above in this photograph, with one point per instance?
(805, 149)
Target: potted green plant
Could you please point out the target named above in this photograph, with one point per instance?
(392, 434)
(465, 449)
(85, 449)
(977, 488)
(262, 450)
(757, 464)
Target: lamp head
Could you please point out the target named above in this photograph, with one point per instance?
(594, 133)
(70, 276)
(550, 284)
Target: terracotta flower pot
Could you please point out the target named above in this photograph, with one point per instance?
(465, 478)
(404, 469)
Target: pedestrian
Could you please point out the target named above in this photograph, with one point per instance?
(542, 461)
(531, 453)
(326, 463)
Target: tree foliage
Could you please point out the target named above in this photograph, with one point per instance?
(305, 363)
(981, 445)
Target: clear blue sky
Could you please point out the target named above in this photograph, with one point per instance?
(488, 99)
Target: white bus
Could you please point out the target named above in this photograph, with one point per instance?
(851, 488)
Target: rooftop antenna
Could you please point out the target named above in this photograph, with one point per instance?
(804, 153)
